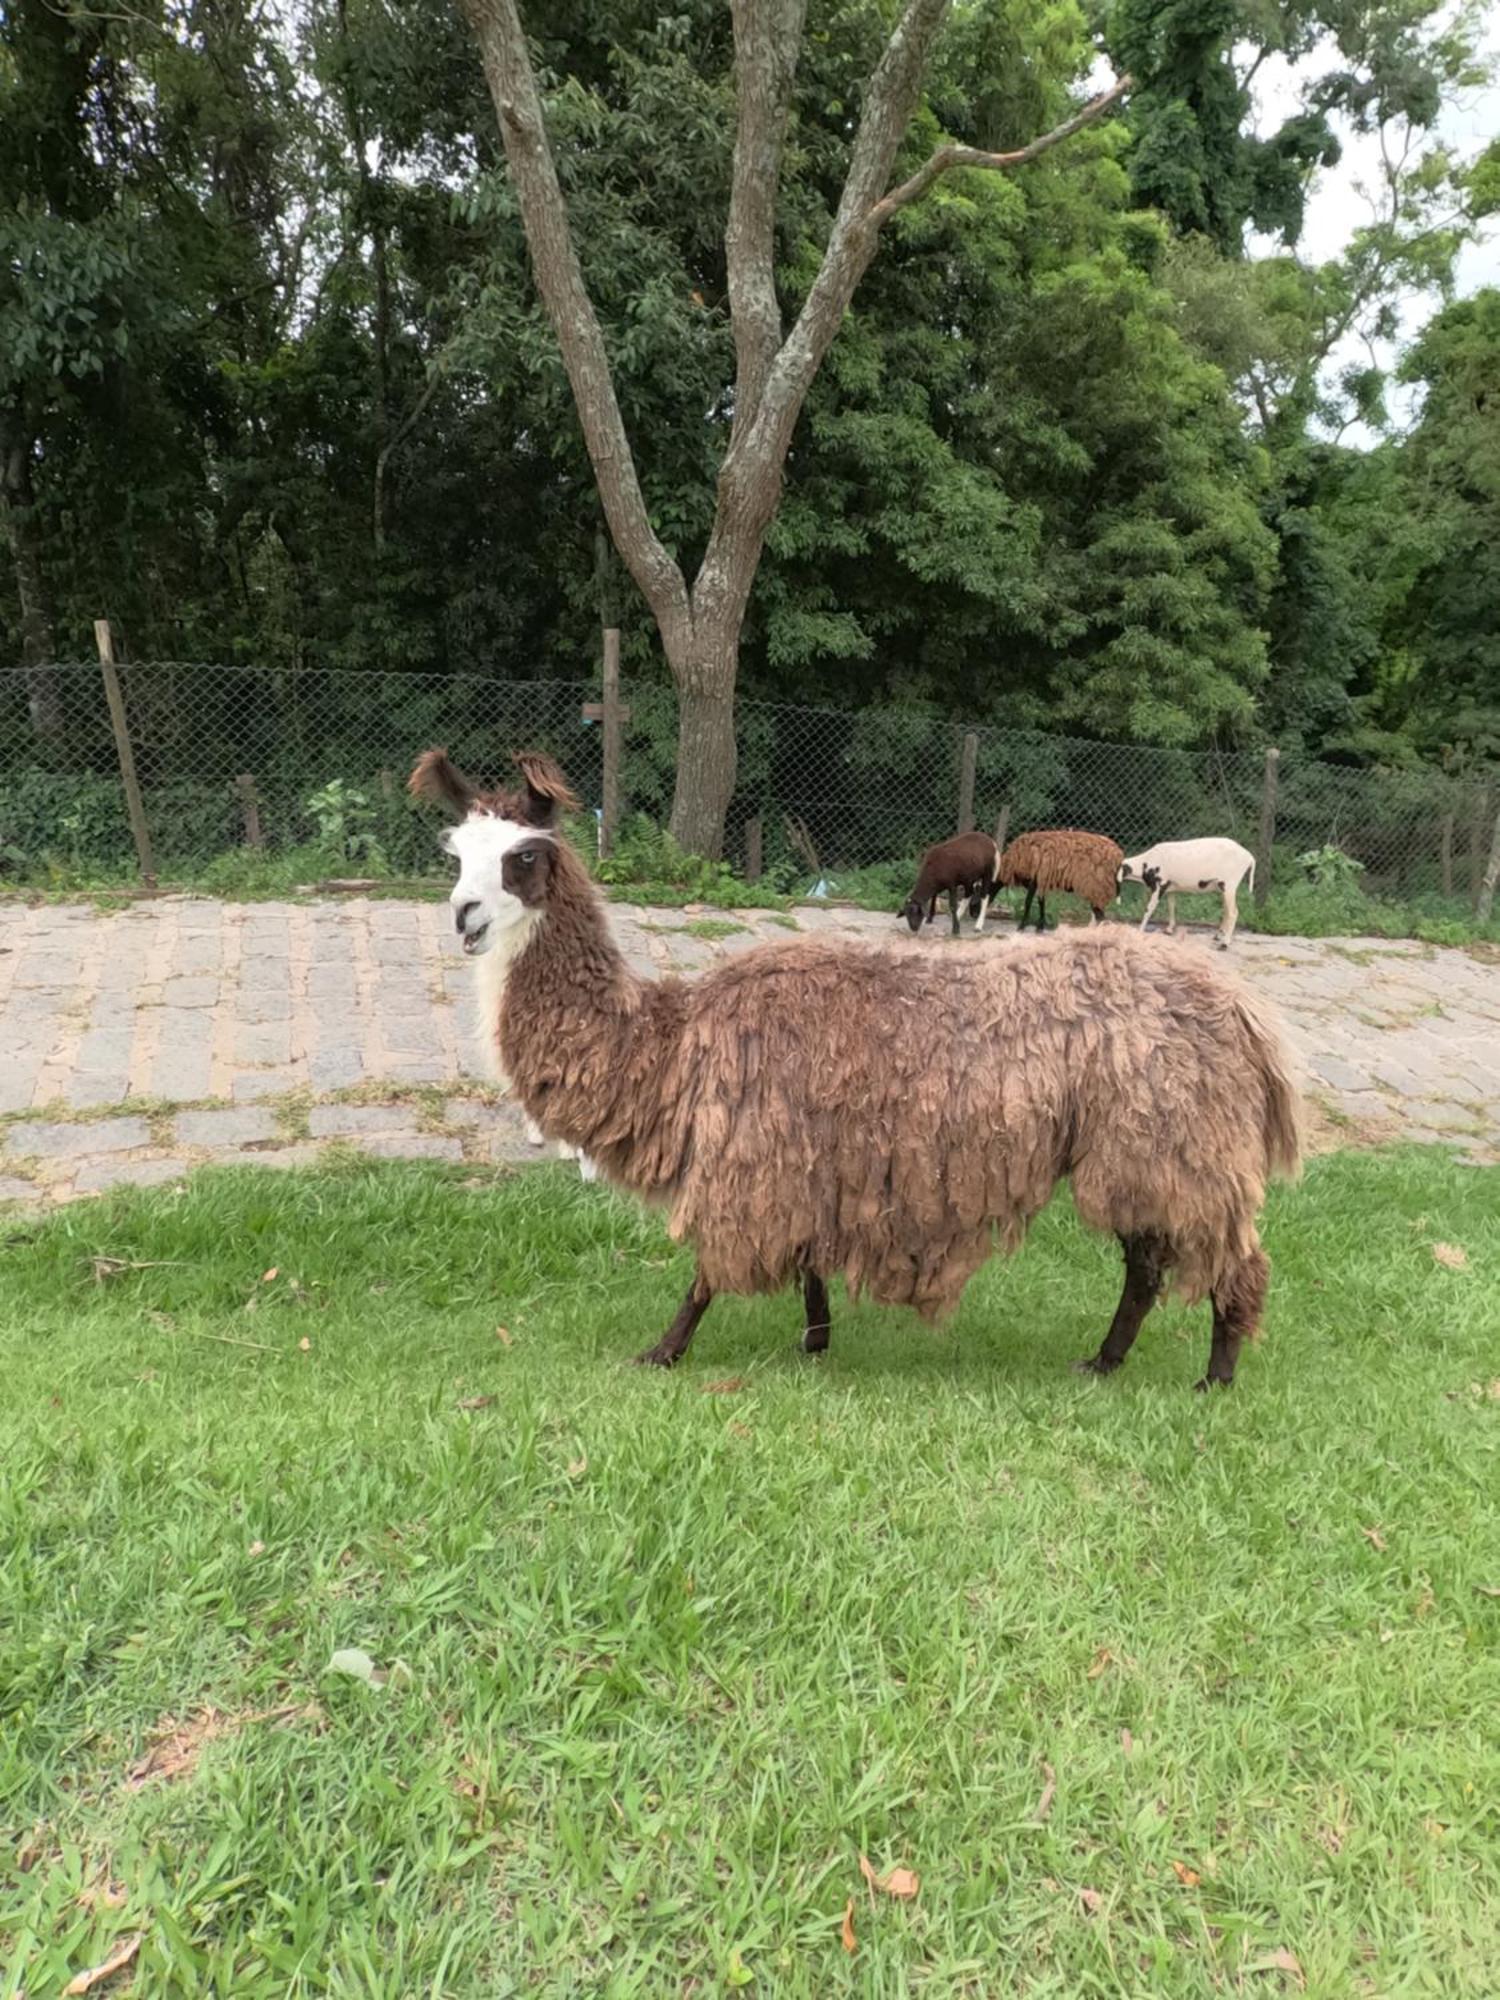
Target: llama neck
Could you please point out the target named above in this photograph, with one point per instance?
(566, 975)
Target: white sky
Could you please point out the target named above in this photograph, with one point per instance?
(1339, 204)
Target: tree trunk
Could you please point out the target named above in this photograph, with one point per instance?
(706, 750)
(38, 649)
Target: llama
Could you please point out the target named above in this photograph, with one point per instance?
(1063, 858)
(964, 867)
(793, 1110)
(1181, 867)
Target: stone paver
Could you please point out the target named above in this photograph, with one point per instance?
(218, 1006)
(225, 1128)
(76, 1142)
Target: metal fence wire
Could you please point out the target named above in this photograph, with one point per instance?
(236, 756)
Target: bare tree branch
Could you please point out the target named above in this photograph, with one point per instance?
(559, 279)
(767, 34)
(946, 157)
(399, 436)
(750, 477)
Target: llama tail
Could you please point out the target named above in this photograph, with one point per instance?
(1250, 877)
(1274, 1069)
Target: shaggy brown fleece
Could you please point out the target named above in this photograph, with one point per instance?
(794, 1108)
(1086, 863)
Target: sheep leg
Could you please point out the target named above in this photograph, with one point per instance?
(1238, 1304)
(1145, 1267)
(1228, 917)
(673, 1344)
(819, 1323)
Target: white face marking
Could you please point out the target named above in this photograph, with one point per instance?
(483, 908)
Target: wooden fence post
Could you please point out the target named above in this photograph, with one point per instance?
(966, 771)
(1486, 902)
(1267, 839)
(753, 849)
(1002, 826)
(244, 784)
(1445, 853)
(1476, 841)
(104, 639)
(609, 824)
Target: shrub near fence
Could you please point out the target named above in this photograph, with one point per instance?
(233, 756)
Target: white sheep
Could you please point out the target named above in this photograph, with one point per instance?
(1184, 867)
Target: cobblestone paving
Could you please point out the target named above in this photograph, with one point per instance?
(241, 1033)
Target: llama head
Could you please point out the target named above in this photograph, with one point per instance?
(506, 845)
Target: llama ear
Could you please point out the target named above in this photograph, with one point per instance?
(434, 777)
(547, 790)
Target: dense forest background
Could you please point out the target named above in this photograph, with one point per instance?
(275, 386)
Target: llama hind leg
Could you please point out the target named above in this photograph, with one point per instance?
(1145, 1267)
(819, 1321)
(674, 1343)
(1238, 1304)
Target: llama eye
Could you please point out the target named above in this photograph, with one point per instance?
(526, 856)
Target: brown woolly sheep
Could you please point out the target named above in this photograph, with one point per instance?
(964, 867)
(794, 1112)
(1041, 863)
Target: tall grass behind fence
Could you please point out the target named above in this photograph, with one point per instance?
(230, 756)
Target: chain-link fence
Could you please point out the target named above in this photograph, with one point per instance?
(230, 758)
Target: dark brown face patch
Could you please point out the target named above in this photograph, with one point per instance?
(526, 871)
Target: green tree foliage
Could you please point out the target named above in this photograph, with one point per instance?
(275, 385)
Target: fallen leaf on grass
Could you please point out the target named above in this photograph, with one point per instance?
(846, 1929)
(730, 1386)
(102, 1895)
(1376, 1540)
(1049, 1793)
(577, 1467)
(502, 1334)
(123, 1954)
(475, 1403)
(1188, 1877)
(902, 1883)
(1279, 1961)
(175, 1749)
(1102, 1659)
(1091, 1900)
(256, 1549)
(1127, 1742)
(1488, 1589)
(269, 1277)
(1452, 1256)
(357, 1664)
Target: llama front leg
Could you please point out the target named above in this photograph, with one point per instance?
(1025, 909)
(1145, 1267)
(674, 1343)
(953, 907)
(984, 904)
(1238, 1304)
(1171, 913)
(1152, 901)
(819, 1322)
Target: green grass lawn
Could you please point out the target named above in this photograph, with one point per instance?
(667, 1654)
